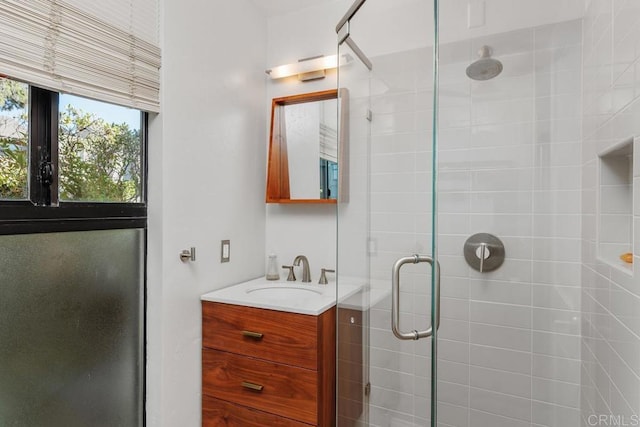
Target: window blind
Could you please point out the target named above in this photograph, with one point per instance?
(105, 50)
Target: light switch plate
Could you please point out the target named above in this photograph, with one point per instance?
(225, 250)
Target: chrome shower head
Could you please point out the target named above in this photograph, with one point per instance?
(486, 67)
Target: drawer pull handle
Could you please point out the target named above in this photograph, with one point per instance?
(250, 334)
(252, 386)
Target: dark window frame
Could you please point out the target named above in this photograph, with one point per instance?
(43, 212)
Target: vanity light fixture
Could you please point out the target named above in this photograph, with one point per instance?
(308, 68)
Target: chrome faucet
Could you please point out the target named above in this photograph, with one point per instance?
(306, 275)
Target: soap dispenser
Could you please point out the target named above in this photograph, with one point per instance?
(272, 268)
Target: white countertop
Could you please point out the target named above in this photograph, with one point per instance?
(297, 297)
(309, 298)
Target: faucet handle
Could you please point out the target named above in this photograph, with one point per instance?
(291, 277)
(323, 276)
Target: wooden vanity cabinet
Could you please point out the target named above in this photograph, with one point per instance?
(267, 368)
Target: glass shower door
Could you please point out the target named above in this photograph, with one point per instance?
(523, 154)
(385, 229)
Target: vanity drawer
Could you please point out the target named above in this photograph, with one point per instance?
(218, 413)
(285, 390)
(288, 338)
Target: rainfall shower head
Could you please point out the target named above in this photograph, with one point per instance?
(486, 67)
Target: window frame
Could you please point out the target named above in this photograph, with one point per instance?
(43, 212)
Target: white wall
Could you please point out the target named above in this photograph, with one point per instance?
(383, 27)
(302, 229)
(206, 183)
(610, 291)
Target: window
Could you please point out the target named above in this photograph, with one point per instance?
(64, 158)
(99, 153)
(14, 140)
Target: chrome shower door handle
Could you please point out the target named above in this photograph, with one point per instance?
(395, 297)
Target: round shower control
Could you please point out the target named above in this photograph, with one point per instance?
(484, 252)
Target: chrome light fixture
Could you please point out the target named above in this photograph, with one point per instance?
(308, 68)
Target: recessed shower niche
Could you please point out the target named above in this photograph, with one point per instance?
(615, 219)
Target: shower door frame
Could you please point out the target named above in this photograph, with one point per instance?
(344, 36)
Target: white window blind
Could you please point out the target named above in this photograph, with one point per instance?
(106, 50)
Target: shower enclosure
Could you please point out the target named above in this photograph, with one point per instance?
(508, 119)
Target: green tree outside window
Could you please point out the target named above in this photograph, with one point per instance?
(14, 141)
(98, 161)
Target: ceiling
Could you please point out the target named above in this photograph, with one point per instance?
(282, 7)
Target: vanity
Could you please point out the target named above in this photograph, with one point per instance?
(268, 355)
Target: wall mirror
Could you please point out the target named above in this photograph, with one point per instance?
(308, 149)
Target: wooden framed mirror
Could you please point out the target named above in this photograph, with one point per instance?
(307, 160)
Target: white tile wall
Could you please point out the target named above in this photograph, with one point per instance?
(610, 337)
(510, 164)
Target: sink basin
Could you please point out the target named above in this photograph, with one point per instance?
(279, 292)
(293, 297)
